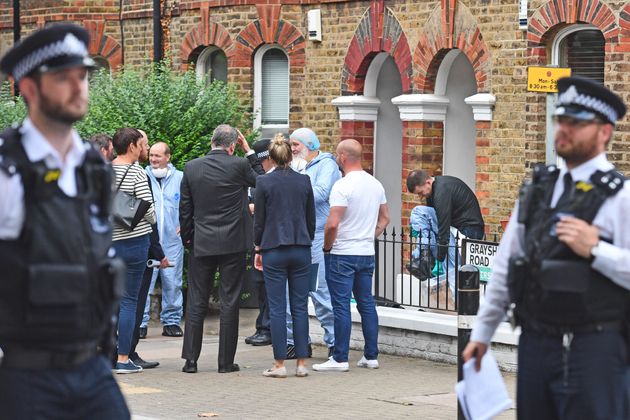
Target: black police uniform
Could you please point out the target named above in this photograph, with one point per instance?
(59, 286)
(573, 353)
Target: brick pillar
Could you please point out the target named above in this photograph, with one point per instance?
(363, 132)
(423, 148)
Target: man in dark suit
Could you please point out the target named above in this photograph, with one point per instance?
(215, 223)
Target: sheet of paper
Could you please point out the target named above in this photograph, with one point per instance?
(483, 393)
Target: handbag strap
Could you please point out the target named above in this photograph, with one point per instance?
(123, 178)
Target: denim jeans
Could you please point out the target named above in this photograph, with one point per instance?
(292, 264)
(320, 298)
(349, 275)
(424, 221)
(134, 252)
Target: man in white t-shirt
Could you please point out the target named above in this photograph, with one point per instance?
(358, 214)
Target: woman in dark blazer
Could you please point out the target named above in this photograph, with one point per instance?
(284, 227)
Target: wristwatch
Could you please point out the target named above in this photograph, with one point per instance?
(327, 251)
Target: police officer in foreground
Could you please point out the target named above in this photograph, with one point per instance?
(562, 270)
(57, 284)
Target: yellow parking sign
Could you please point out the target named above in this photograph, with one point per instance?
(545, 79)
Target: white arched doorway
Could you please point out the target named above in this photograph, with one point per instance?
(456, 81)
(383, 82)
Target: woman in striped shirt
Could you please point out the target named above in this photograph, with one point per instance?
(132, 246)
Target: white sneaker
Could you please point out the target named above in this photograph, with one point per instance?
(365, 363)
(331, 365)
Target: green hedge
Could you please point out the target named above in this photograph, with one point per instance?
(169, 106)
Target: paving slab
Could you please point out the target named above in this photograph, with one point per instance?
(400, 388)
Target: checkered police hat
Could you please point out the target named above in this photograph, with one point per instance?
(586, 99)
(261, 147)
(53, 48)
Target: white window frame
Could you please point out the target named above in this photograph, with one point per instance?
(258, 56)
(201, 68)
(550, 151)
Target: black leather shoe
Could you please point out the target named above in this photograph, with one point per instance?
(138, 361)
(190, 367)
(143, 332)
(172, 331)
(232, 368)
(261, 339)
(248, 340)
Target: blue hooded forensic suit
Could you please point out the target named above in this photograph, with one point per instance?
(324, 172)
(166, 196)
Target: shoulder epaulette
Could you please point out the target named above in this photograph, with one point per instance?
(544, 173)
(611, 182)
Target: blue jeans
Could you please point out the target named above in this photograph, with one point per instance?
(292, 264)
(424, 221)
(87, 391)
(320, 298)
(134, 252)
(172, 298)
(349, 275)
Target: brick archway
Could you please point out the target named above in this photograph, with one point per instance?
(206, 33)
(557, 13)
(451, 25)
(269, 29)
(379, 31)
(103, 45)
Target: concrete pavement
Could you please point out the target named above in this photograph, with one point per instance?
(402, 387)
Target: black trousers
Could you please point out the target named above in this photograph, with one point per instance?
(585, 382)
(87, 391)
(142, 301)
(201, 271)
(263, 322)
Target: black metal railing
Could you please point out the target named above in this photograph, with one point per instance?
(434, 288)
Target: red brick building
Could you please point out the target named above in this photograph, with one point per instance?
(440, 85)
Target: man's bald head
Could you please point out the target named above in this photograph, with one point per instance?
(161, 147)
(351, 148)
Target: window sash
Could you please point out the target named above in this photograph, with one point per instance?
(275, 87)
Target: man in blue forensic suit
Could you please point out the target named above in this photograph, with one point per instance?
(563, 270)
(165, 184)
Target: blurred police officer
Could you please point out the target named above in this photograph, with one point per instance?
(563, 270)
(56, 293)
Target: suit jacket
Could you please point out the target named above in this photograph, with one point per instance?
(284, 210)
(213, 213)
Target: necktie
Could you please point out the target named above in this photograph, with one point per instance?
(567, 193)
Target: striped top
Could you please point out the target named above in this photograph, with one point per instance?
(136, 184)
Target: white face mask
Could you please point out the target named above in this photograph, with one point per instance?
(159, 172)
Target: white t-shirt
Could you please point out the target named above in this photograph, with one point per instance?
(362, 195)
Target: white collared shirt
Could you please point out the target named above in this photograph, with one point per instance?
(37, 148)
(613, 260)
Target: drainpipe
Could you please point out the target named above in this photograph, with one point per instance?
(17, 28)
(157, 32)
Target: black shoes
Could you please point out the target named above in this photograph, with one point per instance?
(142, 332)
(259, 339)
(291, 351)
(172, 331)
(190, 367)
(232, 368)
(138, 361)
(262, 339)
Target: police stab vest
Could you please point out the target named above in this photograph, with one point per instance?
(562, 289)
(55, 289)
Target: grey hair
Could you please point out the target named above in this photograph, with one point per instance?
(224, 136)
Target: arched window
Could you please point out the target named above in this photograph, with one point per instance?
(271, 90)
(580, 48)
(212, 64)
